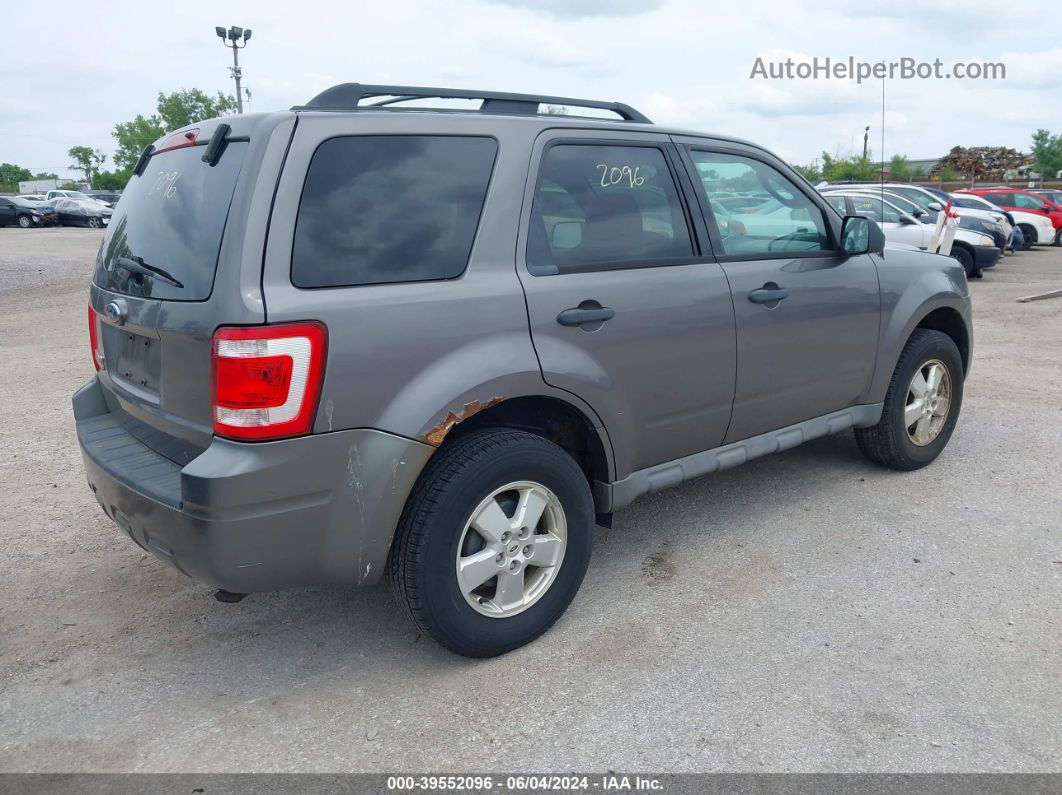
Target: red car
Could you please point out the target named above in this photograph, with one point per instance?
(1026, 201)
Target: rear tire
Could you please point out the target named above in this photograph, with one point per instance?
(1028, 234)
(912, 432)
(447, 563)
(965, 258)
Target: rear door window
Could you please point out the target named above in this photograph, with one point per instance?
(171, 217)
(390, 208)
(599, 207)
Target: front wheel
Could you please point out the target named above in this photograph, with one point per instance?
(94, 222)
(1058, 237)
(1028, 235)
(921, 405)
(965, 258)
(24, 221)
(494, 541)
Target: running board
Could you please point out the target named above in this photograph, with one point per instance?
(622, 493)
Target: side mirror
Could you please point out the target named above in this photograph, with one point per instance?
(860, 235)
(567, 234)
(935, 206)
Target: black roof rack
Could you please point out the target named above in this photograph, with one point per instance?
(348, 96)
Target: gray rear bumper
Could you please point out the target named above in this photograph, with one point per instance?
(254, 517)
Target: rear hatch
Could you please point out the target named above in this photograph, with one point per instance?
(182, 256)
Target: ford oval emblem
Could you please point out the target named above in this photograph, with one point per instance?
(115, 312)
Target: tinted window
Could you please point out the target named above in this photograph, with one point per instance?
(598, 207)
(390, 208)
(782, 220)
(172, 217)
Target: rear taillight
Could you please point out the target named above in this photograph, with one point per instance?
(267, 380)
(94, 338)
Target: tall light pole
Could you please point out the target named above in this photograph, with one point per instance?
(866, 135)
(235, 34)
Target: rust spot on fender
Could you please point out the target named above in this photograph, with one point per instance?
(437, 435)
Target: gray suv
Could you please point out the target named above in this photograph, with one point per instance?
(365, 337)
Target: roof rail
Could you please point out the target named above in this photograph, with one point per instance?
(349, 96)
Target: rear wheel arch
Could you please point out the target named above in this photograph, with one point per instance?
(551, 418)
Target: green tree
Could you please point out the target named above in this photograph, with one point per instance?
(86, 160)
(11, 175)
(111, 180)
(172, 112)
(1047, 150)
(811, 172)
(839, 168)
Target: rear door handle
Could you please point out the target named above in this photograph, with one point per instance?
(580, 317)
(767, 294)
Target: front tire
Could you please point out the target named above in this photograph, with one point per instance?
(1028, 235)
(965, 258)
(24, 221)
(494, 541)
(1058, 237)
(93, 222)
(921, 405)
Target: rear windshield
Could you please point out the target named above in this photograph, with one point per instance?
(171, 217)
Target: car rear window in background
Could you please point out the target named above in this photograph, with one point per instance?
(172, 217)
(390, 208)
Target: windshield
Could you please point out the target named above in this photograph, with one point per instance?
(171, 217)
(913, 194)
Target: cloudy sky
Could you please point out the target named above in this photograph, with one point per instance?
(682, 62)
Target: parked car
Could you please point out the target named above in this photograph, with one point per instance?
(19, 212)
(926, 199)
(1053, 195)
(78, 212)
(368, 343)
(1037, 221)
(1002, 231)
(974, 249)
(109, 198)
(1015, 218)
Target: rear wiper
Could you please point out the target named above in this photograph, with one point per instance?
(137, 265)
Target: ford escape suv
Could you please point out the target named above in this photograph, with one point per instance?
(365, 338)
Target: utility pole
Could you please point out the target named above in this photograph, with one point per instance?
(235, 34)
(866, 135)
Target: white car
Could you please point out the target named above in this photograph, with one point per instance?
(1036, 229)
(976, 220)
(973, 249)
(73, 194)
(925, 199)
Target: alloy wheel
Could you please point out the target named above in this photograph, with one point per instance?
(928, 402)
(511, 549)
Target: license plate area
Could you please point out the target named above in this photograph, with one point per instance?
(134, 361)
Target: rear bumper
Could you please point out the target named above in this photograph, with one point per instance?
(318, 509)
(986, 256)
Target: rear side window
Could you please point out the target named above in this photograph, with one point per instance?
(171, 217)
(598, 207)
(390, 208)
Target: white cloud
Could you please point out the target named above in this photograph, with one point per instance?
(683, 62)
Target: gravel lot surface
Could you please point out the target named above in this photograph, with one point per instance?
(805, 612)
